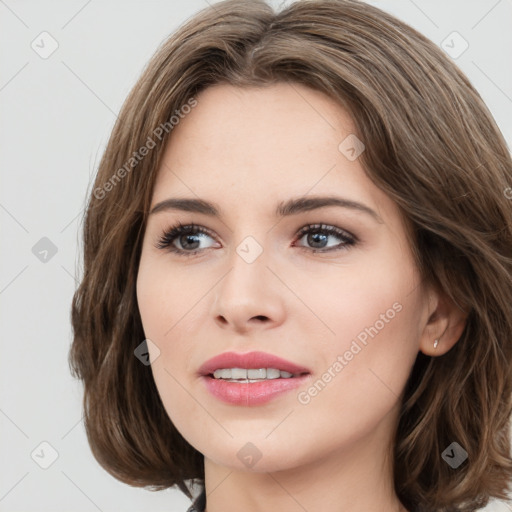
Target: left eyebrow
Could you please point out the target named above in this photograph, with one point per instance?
(293, 206)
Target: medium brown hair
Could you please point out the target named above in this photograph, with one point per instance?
(431, 145)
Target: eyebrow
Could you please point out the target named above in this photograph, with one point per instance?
(293, 206)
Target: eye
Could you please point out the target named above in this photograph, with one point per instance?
(187, 236)
(318, 235)
(184, 240)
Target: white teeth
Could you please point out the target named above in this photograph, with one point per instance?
(251, 373)
(238, 373)
(272, 373)
(261, 373)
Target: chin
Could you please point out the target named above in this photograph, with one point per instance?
(254, 457)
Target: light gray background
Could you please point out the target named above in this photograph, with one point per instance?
(56, 116)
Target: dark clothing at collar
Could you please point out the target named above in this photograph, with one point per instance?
(199, 503)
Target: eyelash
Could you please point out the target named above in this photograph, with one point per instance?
(167, 239)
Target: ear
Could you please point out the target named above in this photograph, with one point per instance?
(446, 323)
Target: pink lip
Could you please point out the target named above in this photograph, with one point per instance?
(249, 360)
(251, 393)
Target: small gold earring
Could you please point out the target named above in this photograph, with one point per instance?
(436, 342)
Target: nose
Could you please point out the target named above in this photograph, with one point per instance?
(250, 296)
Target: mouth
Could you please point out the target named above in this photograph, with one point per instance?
(252, 378)
(250, 366)
(251, 375)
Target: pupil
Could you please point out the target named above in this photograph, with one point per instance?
(188, 238)
(316, 235)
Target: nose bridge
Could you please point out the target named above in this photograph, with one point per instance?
(248, 263)
(250, 244)
(247, 290)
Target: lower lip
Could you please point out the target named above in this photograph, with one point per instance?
(251, 393)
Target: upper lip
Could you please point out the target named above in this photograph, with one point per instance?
(249, 360)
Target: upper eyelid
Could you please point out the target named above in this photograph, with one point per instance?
(192, 226)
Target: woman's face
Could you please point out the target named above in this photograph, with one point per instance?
(346, 306)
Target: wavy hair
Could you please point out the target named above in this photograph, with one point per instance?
(431, 145)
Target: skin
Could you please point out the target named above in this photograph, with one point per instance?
(246, 150)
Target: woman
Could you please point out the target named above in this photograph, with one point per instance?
(338, 336)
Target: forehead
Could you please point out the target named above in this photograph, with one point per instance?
(260, 145)
(231, 123)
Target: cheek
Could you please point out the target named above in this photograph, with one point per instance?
(365, 364)
(152, 283)
(377, 290)
(165, 312)
(371, 313)
(165, 295)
